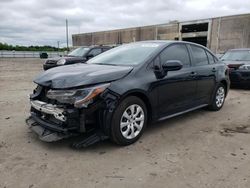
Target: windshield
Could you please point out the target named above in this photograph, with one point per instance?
(239, 55)
(79, 52)
(128, 54)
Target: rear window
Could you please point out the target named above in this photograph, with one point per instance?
(199, 55)
(210, 58)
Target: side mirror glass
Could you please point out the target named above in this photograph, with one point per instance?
(172, 65)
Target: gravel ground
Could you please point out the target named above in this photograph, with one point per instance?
(198, 149)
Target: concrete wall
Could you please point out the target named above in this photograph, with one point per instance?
(168, 32)
(226, 32)
(129, 35)
(156, 32)
(230, 32)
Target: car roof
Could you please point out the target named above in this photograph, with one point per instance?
(93, 46)
(240, 49)
(170, 42)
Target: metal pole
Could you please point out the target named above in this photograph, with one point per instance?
(58, 45)
(67, 33)
(218, 36)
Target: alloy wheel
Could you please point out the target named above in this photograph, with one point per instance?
(132, 121)
(220, 97)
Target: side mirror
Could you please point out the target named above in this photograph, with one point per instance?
(89, 56)
(172, 65)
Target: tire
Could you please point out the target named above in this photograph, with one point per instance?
(218, 98)
(125, 130)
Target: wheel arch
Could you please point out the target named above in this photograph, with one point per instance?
(143, 96)
(224, 82)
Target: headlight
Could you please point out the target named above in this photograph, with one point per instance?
(79, 97)
(61, 62)
(244, 67)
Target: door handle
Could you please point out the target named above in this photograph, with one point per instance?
(214, 69)
(192, 74)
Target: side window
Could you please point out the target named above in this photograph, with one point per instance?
(210, 58)
(105, 49)
(95, 51)
(176, 52)
(200, 56)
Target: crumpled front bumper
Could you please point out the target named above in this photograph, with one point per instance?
(41, 106)
(53, 123)
(45, 134)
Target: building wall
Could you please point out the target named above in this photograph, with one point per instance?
(128, 35)
(230, 32)
(168, 32)
(157, 32)
(225, 33)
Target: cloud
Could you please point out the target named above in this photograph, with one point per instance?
(35, 22)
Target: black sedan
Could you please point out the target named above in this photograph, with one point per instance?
(118, 92)
(238, 60)
(79, 55)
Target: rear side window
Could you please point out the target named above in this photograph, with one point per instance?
(105, 49)
(95, 51)
(199, 54)
(176, 52)
(210, 58)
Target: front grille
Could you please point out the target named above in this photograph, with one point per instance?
(234, 78)
(245, 74)
(48, 117)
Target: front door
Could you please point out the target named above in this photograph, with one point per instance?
(177, 90)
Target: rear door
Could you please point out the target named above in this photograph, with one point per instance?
(177, 90)
(205, 71)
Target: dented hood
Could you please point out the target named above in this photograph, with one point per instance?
(80, 75)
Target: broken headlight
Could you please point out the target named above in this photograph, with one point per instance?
(78, 97)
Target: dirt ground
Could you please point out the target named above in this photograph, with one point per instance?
(198, 149)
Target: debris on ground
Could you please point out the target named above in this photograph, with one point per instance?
(240, 129)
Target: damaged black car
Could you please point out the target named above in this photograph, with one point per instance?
(115, 95)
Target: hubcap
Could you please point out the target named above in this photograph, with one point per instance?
(220, 96)
(132, 121)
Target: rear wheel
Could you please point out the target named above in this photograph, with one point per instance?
(129, 121)
(219, 98)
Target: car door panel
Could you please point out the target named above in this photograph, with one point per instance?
(205, 74)
(205, 83)
(177, 90)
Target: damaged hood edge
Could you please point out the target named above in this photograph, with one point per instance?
(76, 75)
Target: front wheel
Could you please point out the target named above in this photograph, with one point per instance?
(219, 98)
(129, 121)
